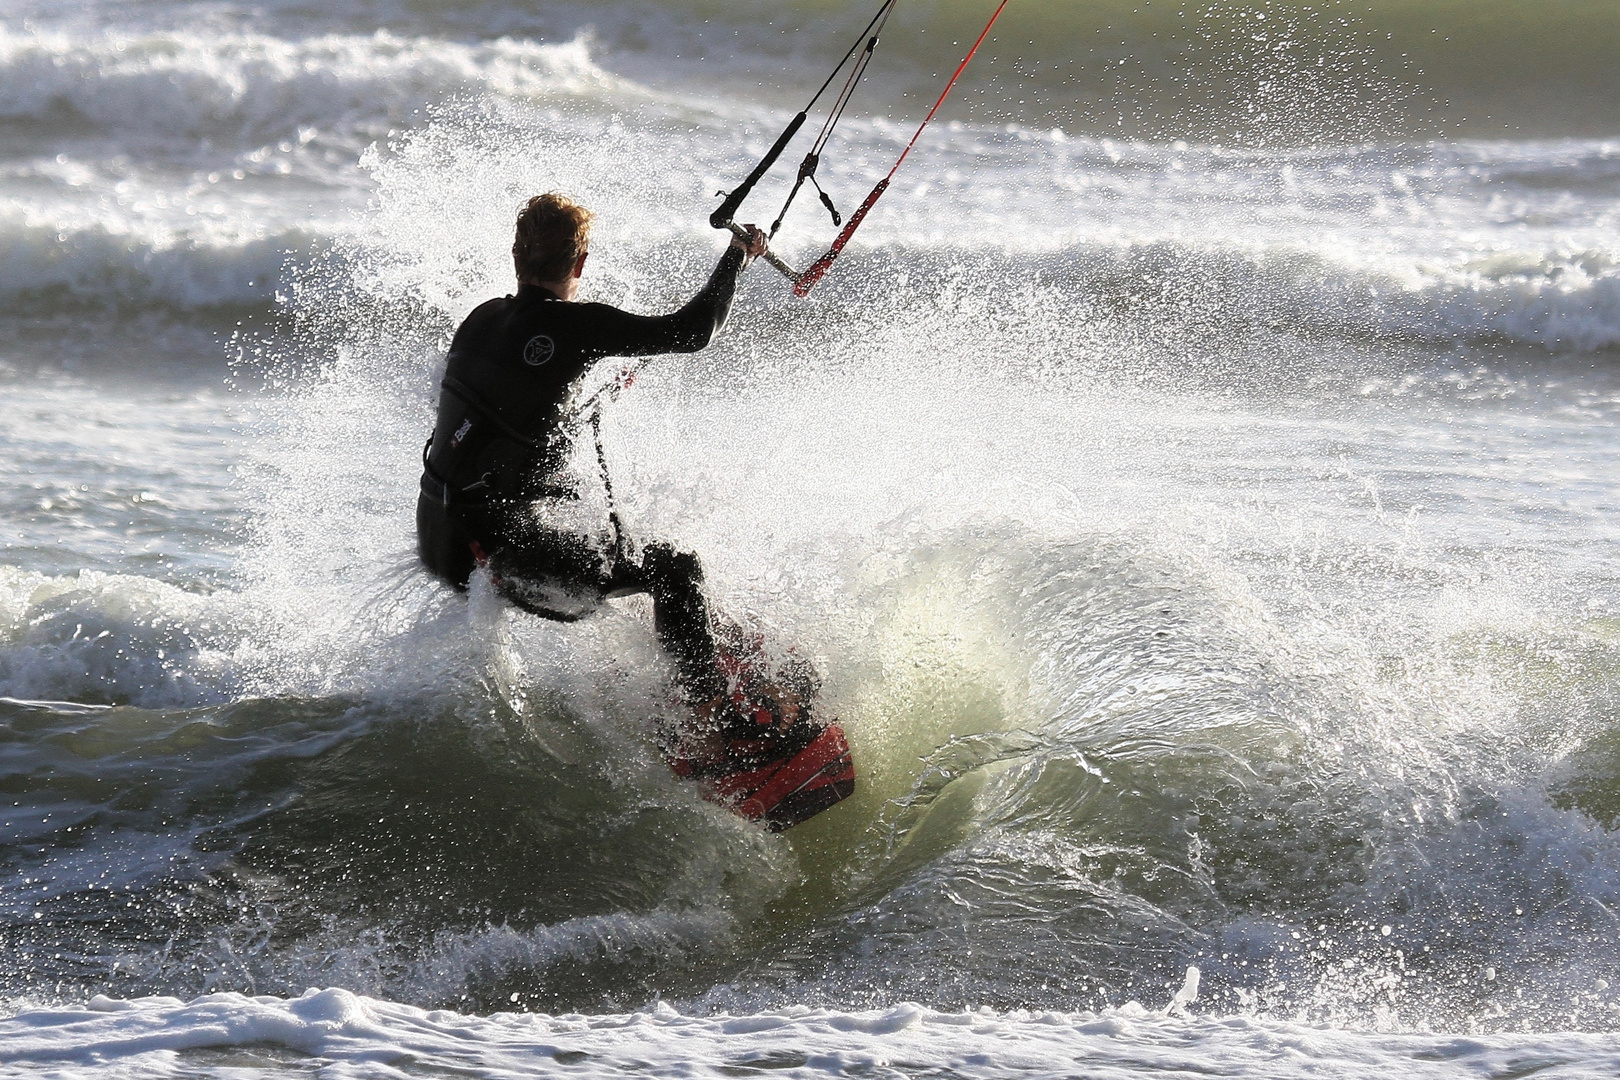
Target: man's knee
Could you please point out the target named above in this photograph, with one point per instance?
(670, 573)
(554, 600)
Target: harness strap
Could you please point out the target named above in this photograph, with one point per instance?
(434, 485)
(465, 393)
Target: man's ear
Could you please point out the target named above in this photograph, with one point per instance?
(579, 263)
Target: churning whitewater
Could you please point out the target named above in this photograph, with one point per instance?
(1197, 485)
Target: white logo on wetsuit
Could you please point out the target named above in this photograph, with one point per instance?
(539, 349)
(461, 433)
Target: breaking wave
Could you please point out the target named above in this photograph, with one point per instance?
(134, 266)
(248, 89)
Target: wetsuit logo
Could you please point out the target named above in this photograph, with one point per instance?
(539, 349)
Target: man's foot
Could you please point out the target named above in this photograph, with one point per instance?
(779, 780)
(755, 746)
(762, 711)
(760, 715)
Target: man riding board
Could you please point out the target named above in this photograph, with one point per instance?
(498, 462)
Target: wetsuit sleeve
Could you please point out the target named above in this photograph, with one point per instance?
(619, 333)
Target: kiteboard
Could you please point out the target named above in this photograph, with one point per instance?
(758, 749)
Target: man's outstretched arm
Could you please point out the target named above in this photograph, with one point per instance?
(695, 324)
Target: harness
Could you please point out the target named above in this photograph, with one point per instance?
(438, 486)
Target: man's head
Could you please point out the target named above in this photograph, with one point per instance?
(553, 237)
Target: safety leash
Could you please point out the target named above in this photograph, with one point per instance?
(607, 485)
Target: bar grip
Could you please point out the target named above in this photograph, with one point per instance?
(770, 256)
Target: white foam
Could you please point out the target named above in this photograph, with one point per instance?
(349, 1034)
(101, 637)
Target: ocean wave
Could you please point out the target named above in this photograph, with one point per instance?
(1562, 301)
(1568, 303)
(1565, 304)
(117, 263)
(254, 88)
(108, 639)
(347, 1031)
(486, 964)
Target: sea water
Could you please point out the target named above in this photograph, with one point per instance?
(1198, 487)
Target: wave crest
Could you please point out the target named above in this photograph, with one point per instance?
(257, 87)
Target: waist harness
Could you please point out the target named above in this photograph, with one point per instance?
(471, 437)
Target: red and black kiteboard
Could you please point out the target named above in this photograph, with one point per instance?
(758, 750)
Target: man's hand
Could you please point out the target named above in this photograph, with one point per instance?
(754, 246)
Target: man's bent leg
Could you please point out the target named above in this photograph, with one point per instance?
(681, 619)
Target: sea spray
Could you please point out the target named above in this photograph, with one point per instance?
(1205, 536)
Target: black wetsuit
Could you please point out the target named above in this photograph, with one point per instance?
(499, 446)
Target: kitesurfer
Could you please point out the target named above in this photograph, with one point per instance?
(497, 493)
(495, 477)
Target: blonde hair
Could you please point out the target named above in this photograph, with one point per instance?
(553, 231)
